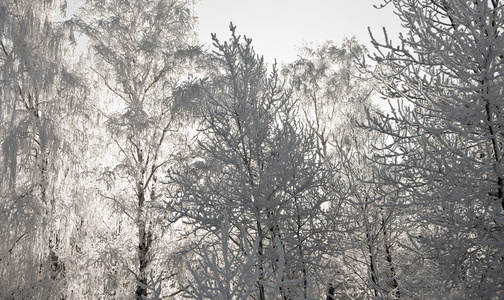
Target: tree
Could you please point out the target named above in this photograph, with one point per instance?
(40, 148)
(260, 166)
(142, 51)
(331, 94)
(335, 97)
(444, 147)
(233, 278)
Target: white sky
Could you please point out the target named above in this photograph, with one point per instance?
(278, 26)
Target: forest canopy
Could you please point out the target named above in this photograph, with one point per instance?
(138, 163)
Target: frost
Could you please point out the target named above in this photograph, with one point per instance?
(10, 154)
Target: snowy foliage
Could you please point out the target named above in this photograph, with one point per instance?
(226, 275)
(330, 89)
(155, 286)
(444, 152)
(258, 165)
(38, 92)
(148, 152)
(142, 52)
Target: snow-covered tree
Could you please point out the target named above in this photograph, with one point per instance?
(331, 94)
(335, 97)
(142, 51)
(229, 275)
(443, 157)
(41, 144)
(260, 166)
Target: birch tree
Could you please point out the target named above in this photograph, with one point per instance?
(444, 148)
(141, 48)
(39, 92)
(335, 97)
(331, 93)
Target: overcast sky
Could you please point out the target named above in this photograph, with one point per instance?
(278, 26)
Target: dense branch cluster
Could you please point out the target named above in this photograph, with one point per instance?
(138, 164)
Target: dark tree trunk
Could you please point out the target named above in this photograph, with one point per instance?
(144, 242)
(372, 266)
(260, 251)
(330, 292)
(388, 246)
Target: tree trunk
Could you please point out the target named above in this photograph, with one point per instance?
(372, 260)
(393, 282)
(49, 233)
(372, 267)
(300, 249)
(492, 112)
(260, 252)
(144, 242)
(330, 292)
